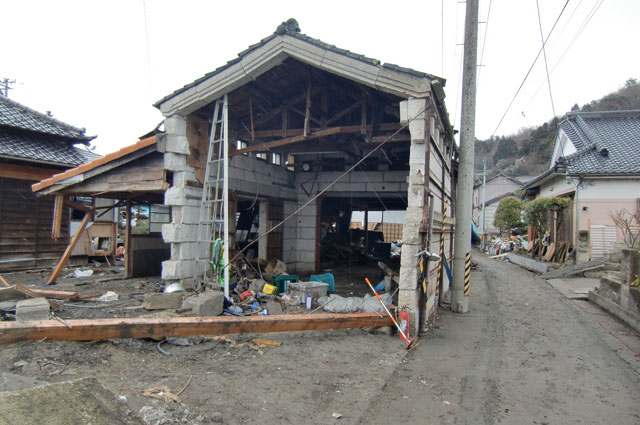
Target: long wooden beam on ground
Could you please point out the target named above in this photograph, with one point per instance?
(100, 329)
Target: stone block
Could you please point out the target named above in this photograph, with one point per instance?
(175, 124)
(185, 214)
(310, 210)
(184, 251)
(176, 269)
(307, 244)
(172, 232)
(307, 233)
(172, 143)
(349, 187)
(209, 303)
(307, 257)
(181, 177)
(306, 221)
(383, 187)
(175, 161)
(416, 153)
(32, 309)
(161, 301)
(404, 111)
(395, 176)
(416, 196)
(190, 196)
(358, 176)
(236, 173)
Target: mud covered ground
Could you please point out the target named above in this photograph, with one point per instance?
(524, 354)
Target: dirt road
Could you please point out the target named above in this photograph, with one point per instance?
(524, 354)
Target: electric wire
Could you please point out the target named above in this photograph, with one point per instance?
(337, 179)
(530, 69)
(484, 44)
(544, 53)
(535, 94)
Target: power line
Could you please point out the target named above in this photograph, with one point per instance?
(590, 15)
(484, 41)
(546, 65)
(530, 68)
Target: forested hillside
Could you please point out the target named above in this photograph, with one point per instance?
(527, 153)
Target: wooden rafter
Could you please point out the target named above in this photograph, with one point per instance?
(344, 112)
(287, 141)
(100, 329)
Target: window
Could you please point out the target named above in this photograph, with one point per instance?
(276, 159)
(261, 155)
(290, 163)
(241, 144)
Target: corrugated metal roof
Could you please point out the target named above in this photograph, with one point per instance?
(18, 116)
(607, 142)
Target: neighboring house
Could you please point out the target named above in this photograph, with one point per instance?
(496, 188)
(596, 164)
(33, 146)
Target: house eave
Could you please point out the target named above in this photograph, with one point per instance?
(274, 51)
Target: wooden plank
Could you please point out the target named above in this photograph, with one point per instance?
(72, 244)
(127, 240)
(58, 206)
(56, 295)
(4, 282)
(140, 327)
(22, 172)
(287, 141)
(32, 294)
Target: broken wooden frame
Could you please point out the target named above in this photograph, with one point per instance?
(101, 329)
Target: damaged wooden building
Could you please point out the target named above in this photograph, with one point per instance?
(314, 130)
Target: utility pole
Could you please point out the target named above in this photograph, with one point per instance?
(5, 86)
(464, 192)
(484, 187)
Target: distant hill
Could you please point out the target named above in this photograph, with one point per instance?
(528, 152)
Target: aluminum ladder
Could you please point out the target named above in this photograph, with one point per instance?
(212, 240)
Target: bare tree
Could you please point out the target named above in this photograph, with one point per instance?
(628, 224)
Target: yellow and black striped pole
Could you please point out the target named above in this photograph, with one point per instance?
(440, 282)
(467, 274)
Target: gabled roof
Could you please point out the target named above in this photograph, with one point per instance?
(17, 116)
(286, 42)
(59, 178)
(607, 143)
(513, 179)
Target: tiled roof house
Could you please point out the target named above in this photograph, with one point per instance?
(33, 146)
(595, 163)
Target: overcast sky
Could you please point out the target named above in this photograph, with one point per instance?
(101, 64)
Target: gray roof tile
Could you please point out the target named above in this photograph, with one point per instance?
(26, 146)
(606, 142)
(291, 28)
(16, 115)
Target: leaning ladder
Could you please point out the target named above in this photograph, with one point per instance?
(212, 242)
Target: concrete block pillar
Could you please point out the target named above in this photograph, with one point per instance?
(306, 222)
(414, 112)
(184, 200)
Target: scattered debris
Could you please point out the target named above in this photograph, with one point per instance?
(161, 393)
(336, 415)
